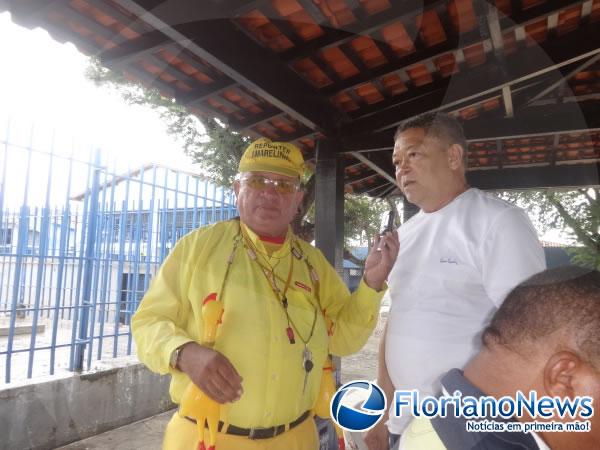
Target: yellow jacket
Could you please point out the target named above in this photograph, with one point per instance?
(253, 330)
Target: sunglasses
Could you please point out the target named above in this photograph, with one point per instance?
(261, 183)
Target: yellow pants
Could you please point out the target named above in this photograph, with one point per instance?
(181, 434)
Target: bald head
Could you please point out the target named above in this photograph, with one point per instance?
(546, 338)
(563, 301)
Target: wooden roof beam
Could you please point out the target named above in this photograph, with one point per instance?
(208, 34)
(377, 162)
(535, 121)
(525, 65)
(540, 177)
(565, 78)
(454, 43)
(563, 176)
(404, 11)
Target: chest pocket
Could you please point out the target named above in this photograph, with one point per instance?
(301, 309)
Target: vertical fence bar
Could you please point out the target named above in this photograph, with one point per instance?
(195, 216)
(30, 253)
(65, 231)
(21, 243)
(214, 203)
(89, 266)
(72, 285)
(97, 263)
(4, 225)
(4, 231)
(232, 207)
(164, 227)
(150, 248)
(185, 227)
(204, 197)
(113, 241)
(81, 262)
(52, 257)
(129, 275)
(158, 243)
(121, 263)
(41, 266)
(175, 214)
(136, 260)
(223, 209)
(105, 289)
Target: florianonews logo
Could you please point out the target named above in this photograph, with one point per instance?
(358, 405)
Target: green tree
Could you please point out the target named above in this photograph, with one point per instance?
(576, 211)
(359, 214)
(217, 150)
(362, 219)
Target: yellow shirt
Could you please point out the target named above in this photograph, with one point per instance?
(420, 435)
(253, 330)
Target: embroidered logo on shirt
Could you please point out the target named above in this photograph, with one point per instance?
(303, 286)
(448, 260)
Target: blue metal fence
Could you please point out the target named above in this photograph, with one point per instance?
(74, 267)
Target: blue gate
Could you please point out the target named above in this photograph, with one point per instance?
(77, 255)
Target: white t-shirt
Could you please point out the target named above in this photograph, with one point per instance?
(455, 267)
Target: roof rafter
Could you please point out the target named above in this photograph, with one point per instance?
(565, 78)
(206, 33)
(453, 42)
(377, 162)
(540, 120)
(399, 11)
(536, 177)
(523, 66)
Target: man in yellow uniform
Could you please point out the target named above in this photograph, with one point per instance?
(280, 296)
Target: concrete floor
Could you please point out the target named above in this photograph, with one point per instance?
(42, 359)
(145, 434)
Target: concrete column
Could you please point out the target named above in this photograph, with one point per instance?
(409, 209)
(329, 202)
(329, 220)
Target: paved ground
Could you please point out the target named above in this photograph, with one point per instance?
(363, 365)
(103, 349)
(147, 434)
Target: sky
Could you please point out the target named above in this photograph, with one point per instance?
(43, 88)
(43, 83)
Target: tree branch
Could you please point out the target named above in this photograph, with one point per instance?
(581, 234)
(350, 257)
(588, 197)
(392, 205)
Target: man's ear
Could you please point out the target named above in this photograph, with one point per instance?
(455, 156)
(236, 187)
(560, 374)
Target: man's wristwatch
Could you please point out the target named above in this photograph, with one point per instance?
(175, 357)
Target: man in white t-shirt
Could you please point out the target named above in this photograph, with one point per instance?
(459, 257)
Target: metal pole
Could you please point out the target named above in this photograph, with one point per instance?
(88, 267)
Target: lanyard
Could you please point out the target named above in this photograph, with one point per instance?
(269, 273)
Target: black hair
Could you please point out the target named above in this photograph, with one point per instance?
(566, 297)
(441, 125)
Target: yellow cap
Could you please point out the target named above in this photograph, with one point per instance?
(263, 155)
